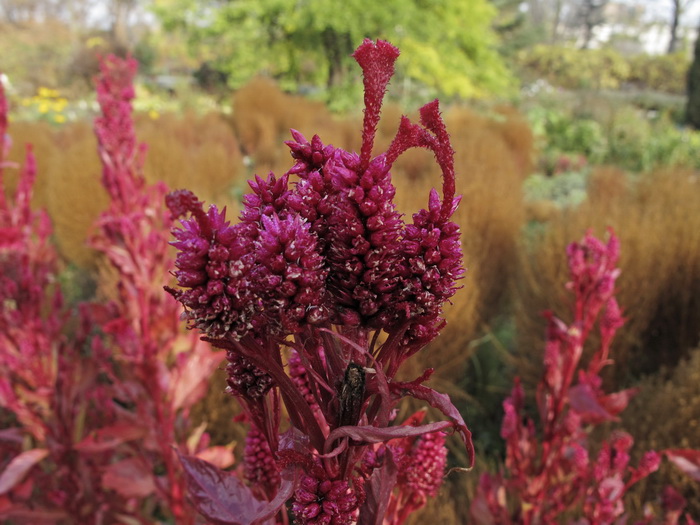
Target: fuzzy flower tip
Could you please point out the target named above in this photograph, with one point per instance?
(320, 501)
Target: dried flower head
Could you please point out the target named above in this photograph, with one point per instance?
(245, 379)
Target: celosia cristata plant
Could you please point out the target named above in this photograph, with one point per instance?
(551, 473)
(94, 400)
(318, 295)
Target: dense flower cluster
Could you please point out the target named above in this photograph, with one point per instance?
(320, 501)
(424, 467)
(259, 463)
(320, 262)
(245, 379)
(331, 248)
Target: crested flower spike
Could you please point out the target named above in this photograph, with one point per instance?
(319, 294)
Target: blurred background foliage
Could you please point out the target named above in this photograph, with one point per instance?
(564, 114)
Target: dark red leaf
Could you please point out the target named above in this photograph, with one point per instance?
(223, 499)
(110, 437)
(11, 435)
(443, 403)
(370, 434)
(379, 487)
(585, 401)
(35, 517)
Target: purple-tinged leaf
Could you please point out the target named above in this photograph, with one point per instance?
(585, 401)
(11, 435)
(379, 488)
(129, 478)
(370, 434)
(19, 466)
(687, 460)
(223, 499)
(443, 403)
(110, 437)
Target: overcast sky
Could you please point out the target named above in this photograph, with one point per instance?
(663, 10)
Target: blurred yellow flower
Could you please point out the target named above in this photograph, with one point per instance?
(59, 119)
(95, 41)
(43, 107)
(45, 92)
(154, 114)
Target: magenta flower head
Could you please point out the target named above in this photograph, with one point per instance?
(299, 291)
(320, 501)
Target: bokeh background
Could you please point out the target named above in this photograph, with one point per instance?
(565, 115)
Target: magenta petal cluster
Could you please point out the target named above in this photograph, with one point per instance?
(318, 294)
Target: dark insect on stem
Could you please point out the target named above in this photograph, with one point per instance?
(352, 395)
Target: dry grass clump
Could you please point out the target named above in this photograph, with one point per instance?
(666, 414)
(75, 196)
(218, 409)
(40, 136)
(263, 115)
(658, 223)
(200, 153)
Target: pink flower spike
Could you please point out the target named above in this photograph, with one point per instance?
(5, 141)
(182, 202)
(260, 467)
(424, 473)
(377, 63)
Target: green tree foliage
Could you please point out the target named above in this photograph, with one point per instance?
(451, 42)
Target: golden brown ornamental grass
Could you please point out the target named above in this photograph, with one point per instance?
(658, 224)
(666, 414)
(198, 152)
(40, 136)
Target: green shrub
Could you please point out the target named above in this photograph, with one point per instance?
(665, 73)
(575, 68)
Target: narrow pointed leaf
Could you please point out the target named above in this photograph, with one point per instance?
(687, 460)
(18, 468)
